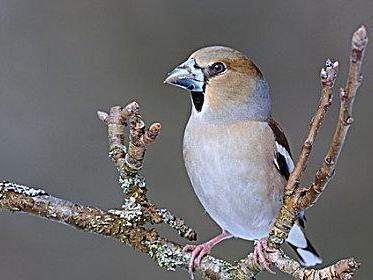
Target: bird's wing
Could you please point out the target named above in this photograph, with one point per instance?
(282, 159)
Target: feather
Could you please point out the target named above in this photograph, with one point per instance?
(282, 158)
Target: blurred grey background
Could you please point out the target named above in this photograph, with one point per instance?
(61, 61)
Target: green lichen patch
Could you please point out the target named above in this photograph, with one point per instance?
(28, 191)
(131, 212)
(127, 182)
(166, 255)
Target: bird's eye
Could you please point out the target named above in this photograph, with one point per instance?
(216, 68)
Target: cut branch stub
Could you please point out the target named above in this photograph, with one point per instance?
(128, 161)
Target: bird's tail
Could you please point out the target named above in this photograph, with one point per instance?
(303, 247)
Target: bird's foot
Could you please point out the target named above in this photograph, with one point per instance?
(260, 258)
(199, 251)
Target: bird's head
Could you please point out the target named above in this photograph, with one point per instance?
(223, 83)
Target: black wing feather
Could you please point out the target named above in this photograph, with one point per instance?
(282, 165)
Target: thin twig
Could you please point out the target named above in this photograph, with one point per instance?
(342, 269)
(289, 210)
(298, 199)
(345, 119)
(328, 76)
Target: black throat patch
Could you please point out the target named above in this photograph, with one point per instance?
(198, 99)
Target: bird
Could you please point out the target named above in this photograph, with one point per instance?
(236, 155)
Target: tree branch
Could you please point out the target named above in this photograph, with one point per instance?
(297, 199)
(290, 210)
(345, 119)
(129, 224)
(167, 254)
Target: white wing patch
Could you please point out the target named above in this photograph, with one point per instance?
(307, 254)
(289, 162)
(296, 237)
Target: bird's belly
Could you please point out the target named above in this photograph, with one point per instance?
(235, 206)
(233, 188)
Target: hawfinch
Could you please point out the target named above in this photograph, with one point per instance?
(237, 157)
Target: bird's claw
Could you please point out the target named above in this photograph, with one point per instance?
(197, 253)
(260, 258)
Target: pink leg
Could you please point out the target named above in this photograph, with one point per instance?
(260, 247)
(199, 251)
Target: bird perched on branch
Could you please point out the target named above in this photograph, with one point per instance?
(236, 155)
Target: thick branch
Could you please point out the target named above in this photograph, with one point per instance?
(167, 254)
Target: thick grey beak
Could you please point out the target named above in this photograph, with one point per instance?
(187, 76)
